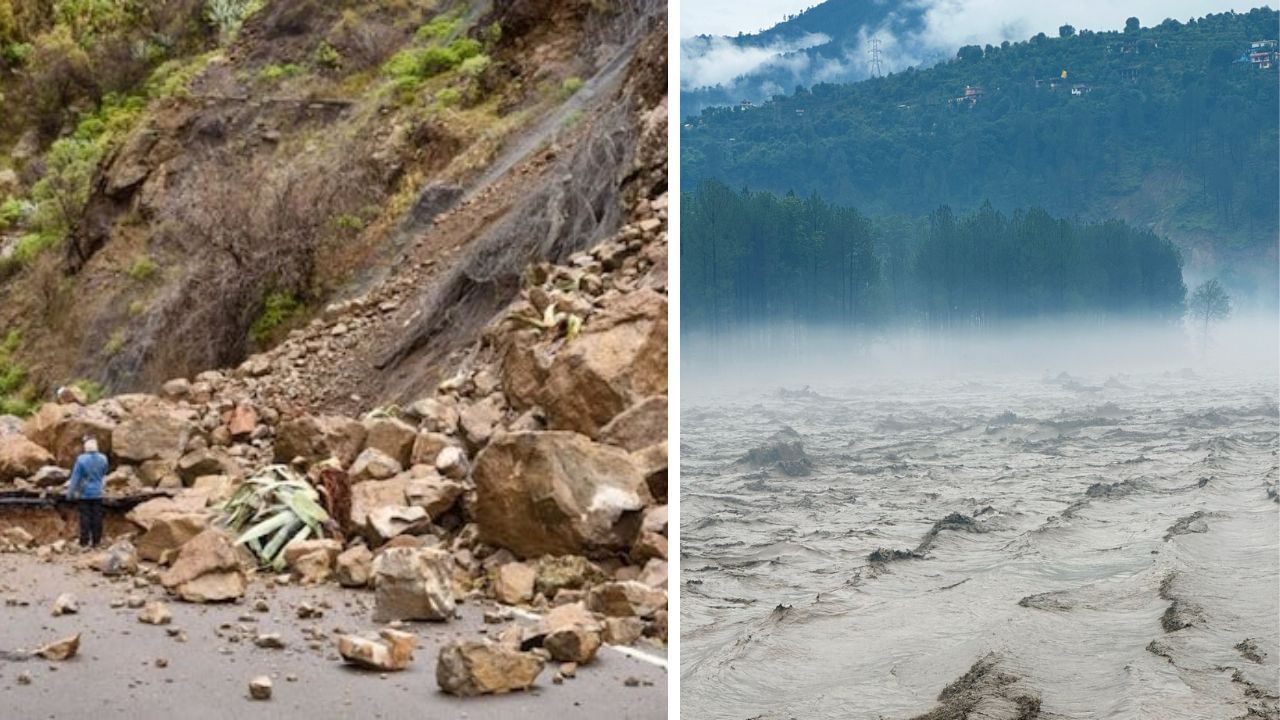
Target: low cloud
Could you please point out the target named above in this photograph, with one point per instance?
(706, 62)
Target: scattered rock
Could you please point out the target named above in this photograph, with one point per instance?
(59, 650)
(393, 652)
(626, 598)
(65, 604)
(354, 566)
(557, 493)
(155, 613)
(207, 570)
(260, 688)
(478, 668)
(120, 559)
(412, 584)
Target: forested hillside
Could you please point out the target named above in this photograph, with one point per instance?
(828, 41)
(1171, 127)
(754, 257)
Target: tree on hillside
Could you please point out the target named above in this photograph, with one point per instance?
(1209, 304)
(1066, 31)
(1132, 25)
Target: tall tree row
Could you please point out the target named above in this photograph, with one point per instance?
(750, 258)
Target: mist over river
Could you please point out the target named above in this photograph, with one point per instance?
(1017, 544)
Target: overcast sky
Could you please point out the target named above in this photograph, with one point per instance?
(961, 21)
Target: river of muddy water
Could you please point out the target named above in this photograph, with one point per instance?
(1035, 547)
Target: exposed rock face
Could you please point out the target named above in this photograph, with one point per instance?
(620, 358)
(557, 493)
(207, 570)
(393, 652)
(20, 458)
(61, 430)
(317, 438)
(412, 584)
(479, 668)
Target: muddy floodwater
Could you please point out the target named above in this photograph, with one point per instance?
(1033, 547)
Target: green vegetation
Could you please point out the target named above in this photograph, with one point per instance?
(570, 86)
(276, 72)
(278, 308)
(751, 258)
(17, 396)
(142, 268)
(115, 343)
(439, 29)
(1160, 125)
(227, 16)
(327, 56)
(93, 390)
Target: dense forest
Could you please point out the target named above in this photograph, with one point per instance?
(1171, 127)
(754, 257)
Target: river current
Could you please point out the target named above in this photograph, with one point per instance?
(996, 547)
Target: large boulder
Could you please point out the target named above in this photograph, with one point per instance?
(620, 358)
(389, 521)
(479, 668)
(557, 493)
(199, 463)
(153, 433)
(412, 584)
(372, 494)
(20, 458)
(61, 430)
(315, 438)
(626, 598)
(571, 633)
(373, 464)
(207, 570)
(392, 437)
(433, 493)
(639, 426)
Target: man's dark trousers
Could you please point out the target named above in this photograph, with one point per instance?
(90, 522)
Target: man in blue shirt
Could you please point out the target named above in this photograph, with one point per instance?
(86, 486)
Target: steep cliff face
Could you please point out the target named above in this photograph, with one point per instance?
(421, 153)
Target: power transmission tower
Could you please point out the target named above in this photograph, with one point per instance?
(877, 70)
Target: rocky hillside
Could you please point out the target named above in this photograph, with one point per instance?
(481, 409)
(247, 173)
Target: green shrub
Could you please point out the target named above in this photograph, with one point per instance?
(448, 97)
(115, 343)
(275, 72)
(16, 53)
(16, 393)
(173, 78)
(493, 34)
(438, 29)
(14, 211)
(137, 307)
(227, 16)
(327, 56)
(92, 389)
(142, 269)
(348, 222)
(278, 307)
(570, 86)
(474, 66)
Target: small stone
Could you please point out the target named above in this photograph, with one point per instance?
(162, 663)
(260, 688)
(65, 605)
(63, 649)
(271, 641)
(155, 613)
